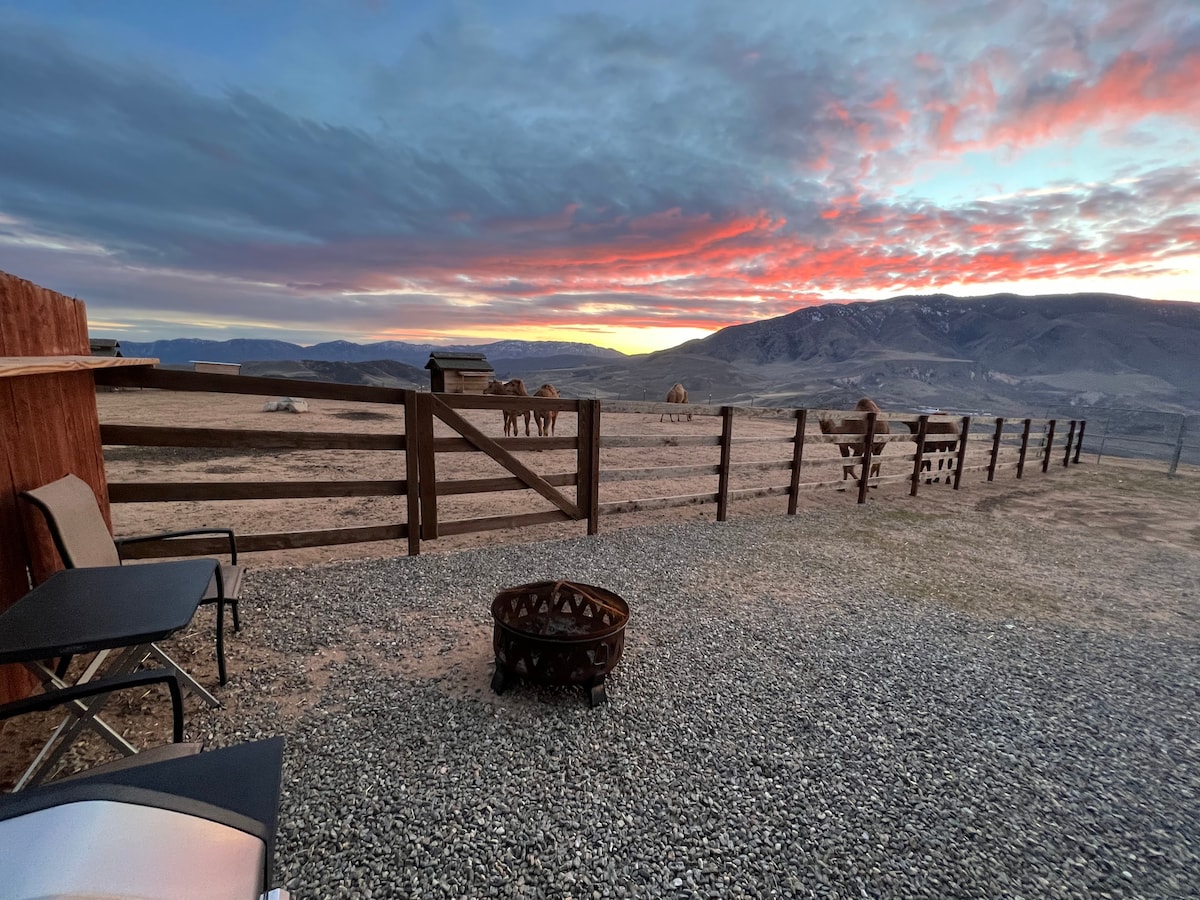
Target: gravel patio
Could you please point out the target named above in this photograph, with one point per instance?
(852, 702)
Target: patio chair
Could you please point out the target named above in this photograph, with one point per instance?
(200, 826)
(100, 687)
(77, 526)
(74, 695)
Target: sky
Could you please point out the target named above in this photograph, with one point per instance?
(624, 173)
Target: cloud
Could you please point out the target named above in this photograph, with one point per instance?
(703, 164)
(1076, 67)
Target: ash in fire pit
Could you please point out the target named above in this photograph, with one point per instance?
(558, 632)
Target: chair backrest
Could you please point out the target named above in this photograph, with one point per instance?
(76, 523)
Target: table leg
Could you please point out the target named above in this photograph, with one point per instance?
(186, 681)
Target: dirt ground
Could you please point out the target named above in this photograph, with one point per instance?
(757, 440)
(766, 440)
(1133, 502)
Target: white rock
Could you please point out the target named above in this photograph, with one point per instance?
(286, 404)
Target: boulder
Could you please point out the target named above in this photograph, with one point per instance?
(286, 404)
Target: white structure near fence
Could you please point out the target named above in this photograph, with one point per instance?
(217, 368)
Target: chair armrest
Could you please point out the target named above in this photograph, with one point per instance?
(191, 532)
(60, 696)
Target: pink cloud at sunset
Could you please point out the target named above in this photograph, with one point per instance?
(633, 178)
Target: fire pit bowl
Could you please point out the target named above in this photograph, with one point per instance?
(558, 632)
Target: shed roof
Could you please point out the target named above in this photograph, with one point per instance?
(458, 362)
(104, 346)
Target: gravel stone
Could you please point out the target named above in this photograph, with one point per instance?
(792, 718)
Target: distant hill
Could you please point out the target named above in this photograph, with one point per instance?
(186, 350)
(377, 373)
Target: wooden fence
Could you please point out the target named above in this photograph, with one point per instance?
(791, 458)
(1149, 434)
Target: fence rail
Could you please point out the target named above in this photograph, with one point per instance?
(800, 455)
(1172, 438)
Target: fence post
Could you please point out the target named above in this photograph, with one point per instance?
(868, 448)
(797, 458)
(962, 451)
(1178, 446)
(995, 449)
(412, 449)
(1024, 447)
(1079, 440)
(1049, 446)
(1104, 438)
(919, 454)
(1070, 442)
(726, 454)
(587, 494)
(427, 461)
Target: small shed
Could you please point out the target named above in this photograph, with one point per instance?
(105, 347)
(217, 368)
(458, 373)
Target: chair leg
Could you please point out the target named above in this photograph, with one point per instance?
(221, 640)
(237, 620)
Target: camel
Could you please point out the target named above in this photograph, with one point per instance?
(830, 425)
(938, 445)
(513, 388)
(677, 394)
(546, 419)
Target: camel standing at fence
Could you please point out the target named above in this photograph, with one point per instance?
(677, 394)
(513, 388)
(935, 443)
(831, 425)
(546, 418)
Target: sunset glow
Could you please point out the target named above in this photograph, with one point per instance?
(626, 175)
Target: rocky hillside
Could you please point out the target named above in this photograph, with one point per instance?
(1001, 354)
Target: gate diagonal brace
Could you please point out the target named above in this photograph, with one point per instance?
(485, 444)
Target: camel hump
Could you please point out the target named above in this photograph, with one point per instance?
(866, 404)
(546, 390)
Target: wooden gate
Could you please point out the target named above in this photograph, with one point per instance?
(421, 411)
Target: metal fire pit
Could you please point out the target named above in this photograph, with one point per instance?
(558, 632)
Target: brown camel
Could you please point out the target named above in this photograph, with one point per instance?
(546, 419)
(936, 443)
(677, 394)
(513, 388)
(831, 425)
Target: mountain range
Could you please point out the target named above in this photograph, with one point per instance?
(186, 350)
(1002, 354)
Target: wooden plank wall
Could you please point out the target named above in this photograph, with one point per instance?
(48, 427)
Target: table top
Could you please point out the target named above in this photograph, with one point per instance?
(100, 608)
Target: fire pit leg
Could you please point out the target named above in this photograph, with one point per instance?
(596, 692)
(501, 679)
